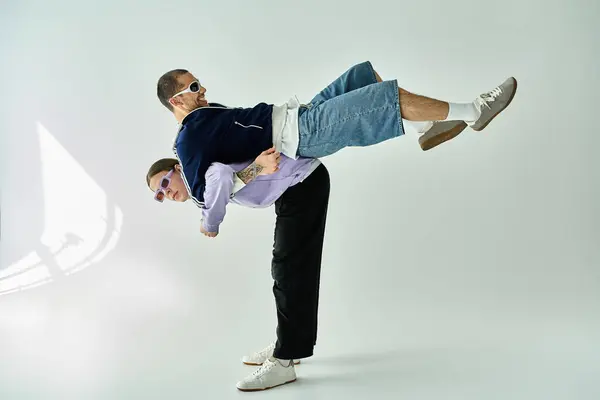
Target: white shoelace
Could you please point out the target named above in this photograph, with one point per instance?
(487, 98)
(266, 367)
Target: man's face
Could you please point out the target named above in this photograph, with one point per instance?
(189, 101)
(176, 190)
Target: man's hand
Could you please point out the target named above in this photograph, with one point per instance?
(269, 161)
(206, 233)
(265, 164)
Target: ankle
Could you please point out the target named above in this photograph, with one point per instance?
(285, 363)
(467, 112)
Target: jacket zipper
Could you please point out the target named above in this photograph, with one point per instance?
(248, 126)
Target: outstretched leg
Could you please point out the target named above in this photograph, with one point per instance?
(374, 113)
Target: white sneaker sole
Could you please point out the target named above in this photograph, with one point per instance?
(430, 140)
(296, 362)
(266, 388)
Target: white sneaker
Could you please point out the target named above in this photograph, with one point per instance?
(259, 358)
(271, 374)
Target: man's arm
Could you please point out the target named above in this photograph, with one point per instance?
(219, 185)
(266, 163)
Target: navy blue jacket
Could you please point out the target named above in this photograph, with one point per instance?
(220, 134)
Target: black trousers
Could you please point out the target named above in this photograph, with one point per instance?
(296, 267)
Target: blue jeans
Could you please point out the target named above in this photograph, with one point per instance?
(353, 111)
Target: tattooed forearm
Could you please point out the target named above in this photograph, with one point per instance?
(250, 172)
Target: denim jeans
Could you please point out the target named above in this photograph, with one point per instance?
(353, 111)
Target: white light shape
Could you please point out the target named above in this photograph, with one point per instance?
(80, 224)
(25, 273)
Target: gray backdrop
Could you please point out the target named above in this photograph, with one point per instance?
(466, 272)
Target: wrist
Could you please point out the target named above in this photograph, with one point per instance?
(257, 168)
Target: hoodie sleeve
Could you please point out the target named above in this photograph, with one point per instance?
(217, 193)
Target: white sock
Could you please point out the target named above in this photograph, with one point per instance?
(418, 126)
(463, 112)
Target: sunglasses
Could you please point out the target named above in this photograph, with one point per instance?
(193, 87)
(159, 195)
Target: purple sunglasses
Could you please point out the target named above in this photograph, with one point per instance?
(159, 195)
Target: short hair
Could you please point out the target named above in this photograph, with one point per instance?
(164, 164)
(168, 86)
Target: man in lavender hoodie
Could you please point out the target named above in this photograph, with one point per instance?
(299, 189)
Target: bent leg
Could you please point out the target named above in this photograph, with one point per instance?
(356, 77)
(414, 107)
(360, 118)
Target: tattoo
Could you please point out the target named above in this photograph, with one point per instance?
(250, 172)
